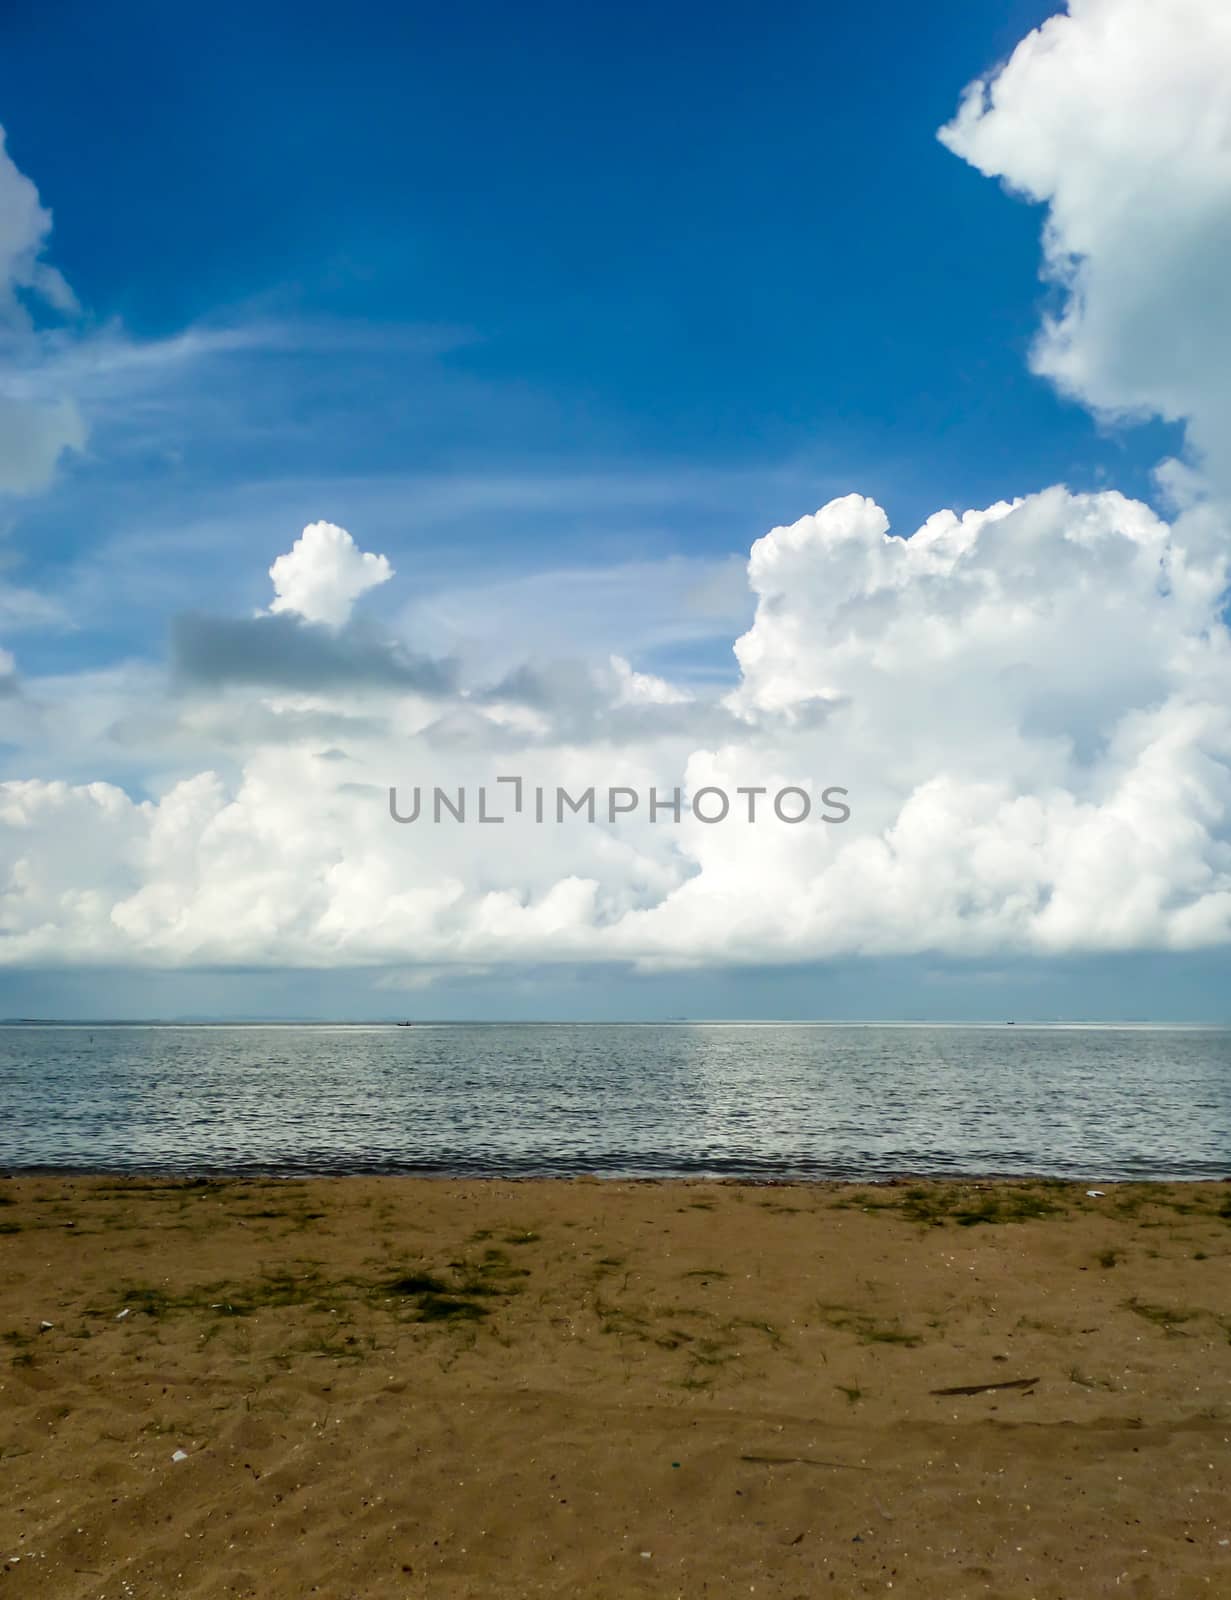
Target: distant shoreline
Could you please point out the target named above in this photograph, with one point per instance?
(636, 1022)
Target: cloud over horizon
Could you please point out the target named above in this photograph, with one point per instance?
(1029, 706)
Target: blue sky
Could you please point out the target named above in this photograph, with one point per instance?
(560, 309)
(714, 252)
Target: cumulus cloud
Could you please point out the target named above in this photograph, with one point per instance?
(324, 573)
(1028, 622)
(1030, 707)
(1116, 116)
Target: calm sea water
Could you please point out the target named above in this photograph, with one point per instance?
(749, 1100)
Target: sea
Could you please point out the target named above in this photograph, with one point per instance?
(747, 1100)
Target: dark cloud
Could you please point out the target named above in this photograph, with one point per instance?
(244, 726)
(545, 686)
(287, 653)
(581, 706)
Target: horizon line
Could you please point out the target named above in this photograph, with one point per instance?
(197, 1020)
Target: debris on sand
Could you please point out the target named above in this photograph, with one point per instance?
(985, 1388)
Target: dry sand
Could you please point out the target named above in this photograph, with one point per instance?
(403, 1387)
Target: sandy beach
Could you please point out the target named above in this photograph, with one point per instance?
(400, 1387)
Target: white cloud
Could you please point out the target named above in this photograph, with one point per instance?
(324, 573)
(24, 226)
(33, 437)
(644, 688)
(1116, 116)
(35, 430)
